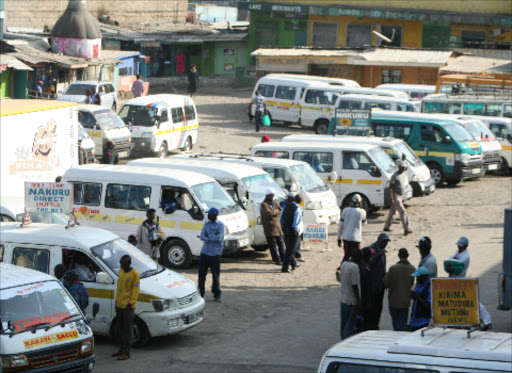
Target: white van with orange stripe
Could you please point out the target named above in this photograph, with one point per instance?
(161, 123)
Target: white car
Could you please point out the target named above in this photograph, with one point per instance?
(75, 92)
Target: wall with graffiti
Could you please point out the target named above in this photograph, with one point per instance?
(86, 48)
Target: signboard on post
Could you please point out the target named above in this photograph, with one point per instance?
(455, 302)
(315, 233)
(49, 197)
(351, 122)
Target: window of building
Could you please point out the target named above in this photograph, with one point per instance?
(285, 92)
(31, 258)
(358, 35)
(319, 161)
(88, 194)
(473, 39)
(128, 197)
(177, 114)
(396, 38)
(325, 35)
(391, 76)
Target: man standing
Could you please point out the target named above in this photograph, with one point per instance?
(212, 236)
(422, 295)
(270, 211)
(396, 191)
(461, 255)
(127, 293)
(378, 268)
(398, 281)
(350, 226)
(138, 87)
(350, 300)
(291, 221)
(427, 258)
(82, 154)
(193, 80)
(148, 235)
(260, 109)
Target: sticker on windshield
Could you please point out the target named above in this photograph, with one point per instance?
(52, 338)
(34, 321)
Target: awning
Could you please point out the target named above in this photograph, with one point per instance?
(13, 63)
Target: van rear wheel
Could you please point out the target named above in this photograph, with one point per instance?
(176, 254)
(322, 127)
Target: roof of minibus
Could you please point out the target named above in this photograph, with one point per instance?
(474, 98)
(412, 117)
(374, 91)
(291, 81)
(327, 79)
(381, 141)
(313, 145)
(132, 174)
(374, 98)
(166, 99)
(409, 87)
(215, 169)
(249, 159)
(12, 275)
(55, 234)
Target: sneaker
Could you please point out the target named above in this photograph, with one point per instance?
(286, 271)
(297, 265)
(300, 260)
(116, 354)
(387, 230)
(123, 357)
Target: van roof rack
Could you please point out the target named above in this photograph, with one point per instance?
(222, 155)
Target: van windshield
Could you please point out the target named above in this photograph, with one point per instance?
(33, 304)
(383, 160)
(458, 133)
(111, 252)
(78, 89)
(308, 178)
(411, 157)
(213, 195)
(258, 184)
(109, 120)
(138, 115)
(479, 131)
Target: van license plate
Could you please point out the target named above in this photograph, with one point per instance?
(122, 154)
(492, 167)
(475, 170)
(194, 317)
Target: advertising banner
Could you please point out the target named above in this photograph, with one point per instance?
(49, 197)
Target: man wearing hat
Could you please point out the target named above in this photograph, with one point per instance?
(399, 282)
(270, 212)
(350, 227)
(427, 258)
(462, 255)
(39, 89)
(422, 295)
(212, 235)
(397, 186)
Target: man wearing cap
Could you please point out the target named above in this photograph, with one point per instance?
(265, 138)
(422, 295)
(39, 89)
(399, 282)
(397, 186)
(350, 227)
(378, 268)
(291, 221)
(212, 235)
(427, 258)
(462, 255)
(270, 212)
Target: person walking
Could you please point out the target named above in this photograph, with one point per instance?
(138, 87)
(270, 212)
(350, 300)
(148, 235)
(378, 268)
(427, 258)
(399, 282)
(350, 227)
(82, 154)
(77, 290)
(127, 293)
(260, 110)
(193, 80)
(397, 186)
(291, 221)
(461, 255)
(298, 251)
(212, 236)
(422, 295)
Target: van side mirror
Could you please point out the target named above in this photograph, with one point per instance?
(10, 325)
(333, 177)
(243, 201)
(103, 278)
(95, 310)
(374, 171)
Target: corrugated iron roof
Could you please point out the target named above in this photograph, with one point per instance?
(404, 57)
(300, 52)
(477, 65)
(13, 62)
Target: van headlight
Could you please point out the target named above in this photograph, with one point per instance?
(160, 304)
(87, 347)
(314, 205)
(463, 157)
(14, 361)
(147, 134)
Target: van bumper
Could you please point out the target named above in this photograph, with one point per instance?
(492, 161)
(466, 170)
(144, 145)
(323, 216)
(84, 365)
(423, 188)
(234, 243)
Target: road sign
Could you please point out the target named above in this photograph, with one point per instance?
(351, 121)
(48, 197)
(455, 302)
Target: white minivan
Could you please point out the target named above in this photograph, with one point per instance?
(315, 78)
(42, 327)
(168, 302)
(348, 168)
(161, 123)
(418, 173)
(502, 129)
(245, 184)
(117, 198)
(357, 101)
(318, 200)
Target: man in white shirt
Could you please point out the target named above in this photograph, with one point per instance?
(350, 300)
(350, 226)
(462, 255)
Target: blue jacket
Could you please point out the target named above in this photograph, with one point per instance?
(212, 235)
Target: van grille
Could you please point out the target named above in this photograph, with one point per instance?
(61, 357)
(189, 299)
(239, 233)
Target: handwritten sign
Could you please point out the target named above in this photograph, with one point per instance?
(455, 301)
(49, 197)
(315, 233)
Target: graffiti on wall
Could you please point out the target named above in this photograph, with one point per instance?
(86, 48)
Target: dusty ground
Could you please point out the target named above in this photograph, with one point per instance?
(274, 322)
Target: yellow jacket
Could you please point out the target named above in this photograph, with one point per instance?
(128, 288)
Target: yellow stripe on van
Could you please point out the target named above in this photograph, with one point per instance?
(506, 147)
(344, 181)
(252, 223)
(167, 131)
(109, 294)
(98, 217)
(195, 126)
(369, 182)
(312, 108)
(160, 132)
(421, 153)
(285, 104)
(168, 223)
(271, 103)
(94, 134)
(128, 220)
(192, 226)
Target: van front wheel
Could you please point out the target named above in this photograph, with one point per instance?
(176, 254)
(140, 333)
(437, 174)
(162, 151)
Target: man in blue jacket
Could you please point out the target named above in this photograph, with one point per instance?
(213, 237)
(291, 221)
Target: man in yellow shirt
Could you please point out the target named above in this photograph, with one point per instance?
(128, 288)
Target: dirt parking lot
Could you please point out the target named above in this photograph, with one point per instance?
(270, 321)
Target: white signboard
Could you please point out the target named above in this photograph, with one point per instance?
(315, 233)
(49, 197)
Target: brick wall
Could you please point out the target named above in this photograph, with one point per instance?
(129, 13)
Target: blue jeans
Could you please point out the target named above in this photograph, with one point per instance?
(399, 318)
(259, 120)
(347, 320)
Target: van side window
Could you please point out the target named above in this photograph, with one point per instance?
(87, 120)
(280, 176)
(399, 131)
(507, 111)
(87, 194)
(1, 252)
(313, 96)
(80, 262)
(177, 114)
(266, 90)
(319, 161)
(272, 154)
(380, 105)
(432, 134)
(164, 116)
(344, 104)
(473, 108)
(341, 367)
(404, 107)
(173, 199)
(285, 92)
(32, 258)
(128, 197)
(190, 113)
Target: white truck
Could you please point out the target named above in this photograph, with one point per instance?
(38, 142)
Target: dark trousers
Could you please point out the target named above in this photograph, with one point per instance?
(213, 263)
(347, 320)
(375, 312)
(297, 249)
(290, 240)
(399, 318)
(259, 120)
(276, 247)
(125, 324)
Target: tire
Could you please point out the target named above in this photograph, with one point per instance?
(322, 127)
(365, 204)
(140, 333)
(176, 254)
(437, 174)
(504, 168)
(188, 145)
(162, 152)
